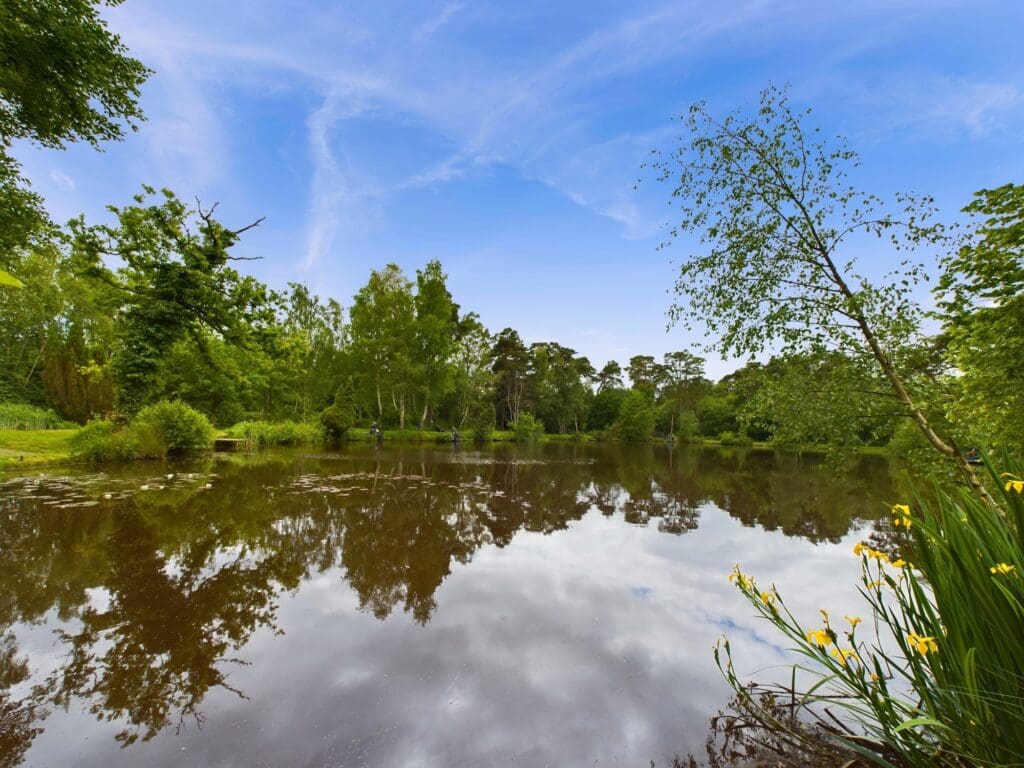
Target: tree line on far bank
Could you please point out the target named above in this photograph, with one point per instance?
(107, 319)
(177, 321)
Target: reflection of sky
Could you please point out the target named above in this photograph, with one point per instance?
(587, 646)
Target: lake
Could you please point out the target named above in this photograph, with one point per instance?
(409, 606)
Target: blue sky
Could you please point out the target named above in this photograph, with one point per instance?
(505, 139)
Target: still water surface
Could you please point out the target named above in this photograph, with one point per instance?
(405, 606)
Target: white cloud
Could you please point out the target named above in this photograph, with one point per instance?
(429, 28)
(938, 107)
(62, 181)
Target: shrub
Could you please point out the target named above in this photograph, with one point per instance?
(939, 681)
(528, 429)
(102, 440)
(636, 418)
(171, 427)
(340, 415)
(22, 416)
(734, 438)
(479, 424)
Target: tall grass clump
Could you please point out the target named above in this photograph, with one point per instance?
(104, 441)
(21, 416)
(262, 434)
(934, 674)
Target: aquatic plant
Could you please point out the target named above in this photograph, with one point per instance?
(939, 680)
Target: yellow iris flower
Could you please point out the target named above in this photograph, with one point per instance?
(922, 644)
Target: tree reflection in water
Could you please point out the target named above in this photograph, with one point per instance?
(161, 590)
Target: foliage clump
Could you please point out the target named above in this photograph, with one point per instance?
(104, 441)
(339, 416)
(734, 438)
(636, 418)
(171, 427)
(528, 429)
(479, 423)
(162, 429)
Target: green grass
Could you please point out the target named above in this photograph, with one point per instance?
(34, 447)
(362, 434)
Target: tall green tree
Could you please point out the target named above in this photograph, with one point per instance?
(981, 300)
(175, 283)
(776, 218)
(511, 360)
(435, 332)
(683, 376)
(382, 322)
(636, 417)
(474, 381)
(317, 331)
(609, 377)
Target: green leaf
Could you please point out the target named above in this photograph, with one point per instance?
(916, 721)
(6, 278)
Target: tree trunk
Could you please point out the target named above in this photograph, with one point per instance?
(946, 448)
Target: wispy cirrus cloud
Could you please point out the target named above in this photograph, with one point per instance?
(429, 28)
(548, 110)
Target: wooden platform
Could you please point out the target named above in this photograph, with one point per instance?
(228, 444)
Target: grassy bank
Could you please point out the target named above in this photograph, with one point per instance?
(34, 447)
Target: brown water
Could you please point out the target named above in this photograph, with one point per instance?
(407, 606)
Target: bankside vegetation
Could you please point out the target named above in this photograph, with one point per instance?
(100, 320)
(932, 673)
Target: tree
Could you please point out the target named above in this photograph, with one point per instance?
(981, 298)
(65, 78)
(474, 380)
(610, 377)
(604, 408)
(636, 417)
(175, 284)
(683, 374)
(776, 217)
(318, 332)
(381, 323)
(436, 320)
(510, 364)
(645, 374)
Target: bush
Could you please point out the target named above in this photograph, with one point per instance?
(261, 434)
(104, 440)
(734, 438)
(21, 416)
(938, 682)
(479, 424)
(171, 427)
(636, 418)
(528, 429)
(339, 416)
